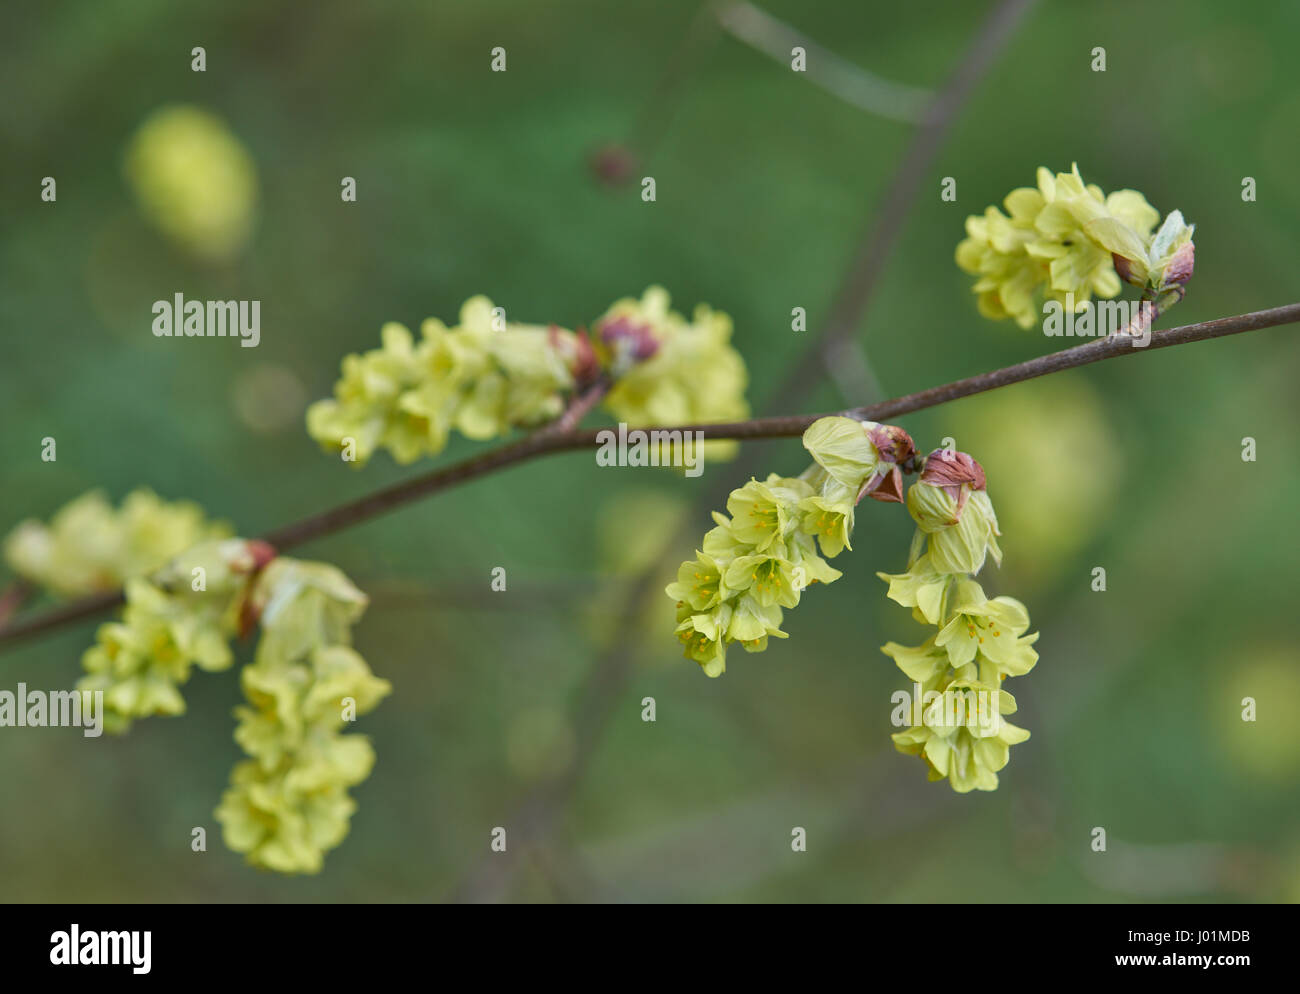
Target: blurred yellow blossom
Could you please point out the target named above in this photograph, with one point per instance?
(88, 546)
(288, 804)
(194, 180)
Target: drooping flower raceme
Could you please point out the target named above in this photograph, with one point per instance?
(761, 556)
(88, 546)
(288, 804)
(978, 641)
(1065, 237)
(756, 563)
(485, 376)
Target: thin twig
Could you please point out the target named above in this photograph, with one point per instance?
(580, 407)
(832, 72)
(657, 112)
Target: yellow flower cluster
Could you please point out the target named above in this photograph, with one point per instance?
(481, 377)
(1056, 238)
(756, 563)
(182, 616)
(88, 546)
(753, 565)
(485, 376)
(289, 803)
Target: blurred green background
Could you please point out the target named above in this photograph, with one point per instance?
(471, 181)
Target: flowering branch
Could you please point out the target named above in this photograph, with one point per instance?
(546, 441)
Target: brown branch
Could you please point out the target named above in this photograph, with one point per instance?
(58, 617)
(545, 442)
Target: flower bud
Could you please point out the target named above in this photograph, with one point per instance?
(951, 506)
(1127, 248)
(893, 443)
(1131, 271)
(931, 506)
(955, 473)
(897, 451)
(1180, 266)
(626, 341)
(937, 500)
(1174, 233)
(693, 376)
(576, 350)
(613, 164)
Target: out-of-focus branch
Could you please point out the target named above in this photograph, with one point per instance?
(833, 73)
(832, 349)
(12, 597)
